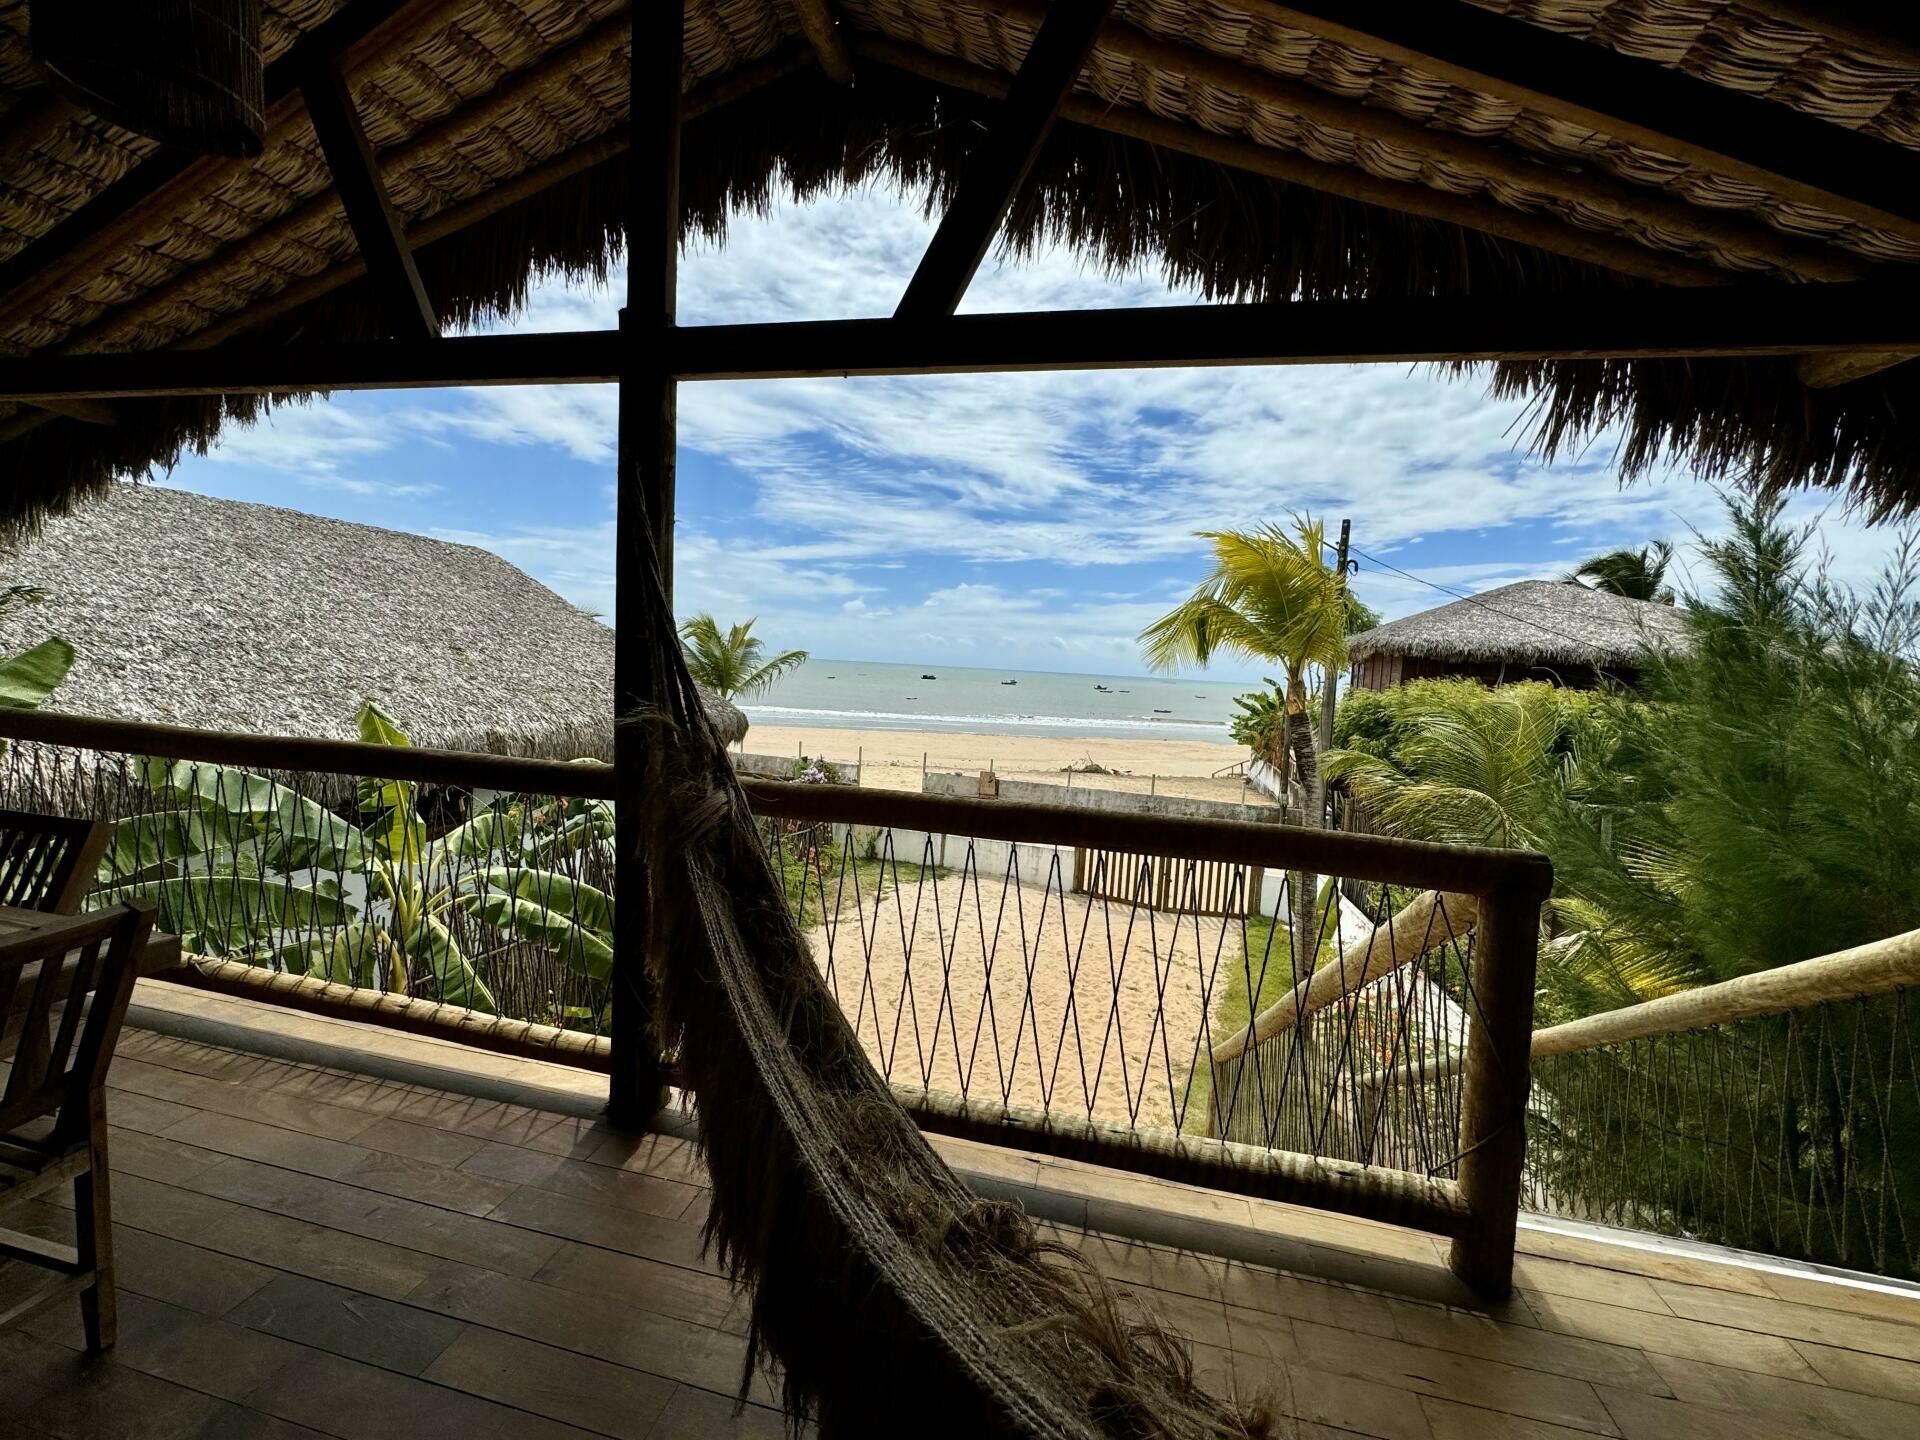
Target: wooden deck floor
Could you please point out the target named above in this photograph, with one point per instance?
(308, 1251)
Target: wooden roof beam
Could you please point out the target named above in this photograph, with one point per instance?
(1013, 142)
(1578, 189)
(1647, 324)
(1541, 232)
(363, 194)
(1802, 158)
(822, 29)
(1608, 324)
(354, 36)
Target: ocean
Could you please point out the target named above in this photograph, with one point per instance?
(870, 695)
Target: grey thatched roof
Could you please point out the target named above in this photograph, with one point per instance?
(230, 616)
(1534, 622)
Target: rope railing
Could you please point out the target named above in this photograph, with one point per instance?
(1102, 985)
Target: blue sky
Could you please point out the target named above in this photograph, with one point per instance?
(1031, 521)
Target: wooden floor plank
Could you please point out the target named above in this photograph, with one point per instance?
(1767, 1398)
(1509, 1389)
(591, 1325)
(363, 1402)
(436, 1264)
(1670, 1335)
(214, 1356)
(348, 1323)
(1869, 1374)
(577, 1389)
(410, 1224)
(1899, 1339)
(583, 1179)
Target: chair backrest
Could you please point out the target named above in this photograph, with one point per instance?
(97, 952)
(47, 862)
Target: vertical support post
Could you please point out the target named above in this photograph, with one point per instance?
(644, 518)
(1493, 1098)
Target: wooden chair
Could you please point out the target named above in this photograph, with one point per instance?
(47, 862)
(53, 1112)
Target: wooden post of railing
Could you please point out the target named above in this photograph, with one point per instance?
(1493, 1098)
(643, 518)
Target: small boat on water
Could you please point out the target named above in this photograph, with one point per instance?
(929, 677)
(1009, 682)
(1103, 690)
(1163, 712)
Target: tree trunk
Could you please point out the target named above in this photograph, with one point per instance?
(1306, 887)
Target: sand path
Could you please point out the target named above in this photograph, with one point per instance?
(1006, 992)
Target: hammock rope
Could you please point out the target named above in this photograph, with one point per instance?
(892, 1298)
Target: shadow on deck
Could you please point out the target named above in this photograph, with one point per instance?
(366, 1247)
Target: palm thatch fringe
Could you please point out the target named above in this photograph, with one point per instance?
(1123, 204)
(894, 1300)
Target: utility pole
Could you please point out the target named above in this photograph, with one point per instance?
(1329, 685)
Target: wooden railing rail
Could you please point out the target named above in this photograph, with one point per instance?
(1430, 919)
(1875, 968)
(1478, 1210)
(463, 768)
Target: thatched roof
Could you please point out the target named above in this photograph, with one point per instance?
(1238, 145)
(228, 616)
(1535, 622)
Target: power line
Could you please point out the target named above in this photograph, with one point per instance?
(1474, 600)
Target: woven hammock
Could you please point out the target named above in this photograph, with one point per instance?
(894, 1300)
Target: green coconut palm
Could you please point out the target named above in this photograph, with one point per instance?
(1637, 574)
(733, 664)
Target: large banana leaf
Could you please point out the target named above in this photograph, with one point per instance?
(305, 835)
(143, 843)
(455, 979)
(579, 949)
(592, 821)
(590, 909)
(31, 676)
(234, 909)
(488, 833)
(350, 955)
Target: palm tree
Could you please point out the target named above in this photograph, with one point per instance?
(1637, 574)
(733, 664)
(1271, 597)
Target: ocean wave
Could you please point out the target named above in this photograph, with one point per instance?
(913, 719)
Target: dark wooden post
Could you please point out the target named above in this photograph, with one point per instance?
(645, 517)
(1493, 1096)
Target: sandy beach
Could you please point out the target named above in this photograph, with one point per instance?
(892, 759)
(1004, 992)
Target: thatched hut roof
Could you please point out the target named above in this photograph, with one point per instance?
(1242, 146)
(228, 616)
(1534, 622)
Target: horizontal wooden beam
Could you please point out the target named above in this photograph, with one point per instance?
(1639, 324)
(589, 357)
(1797, 156)
(1613, 324)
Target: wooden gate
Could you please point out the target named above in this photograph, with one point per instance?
(1200, 887)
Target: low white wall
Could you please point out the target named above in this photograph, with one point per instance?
(780, 767)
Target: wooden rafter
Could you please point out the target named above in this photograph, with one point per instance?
(1577, 190)
(708, 99)
(363, 194)
(1800, 157)
(353, 36)
(1542, 232)
(822, 29)
(1013, 143)
(1637, 324)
